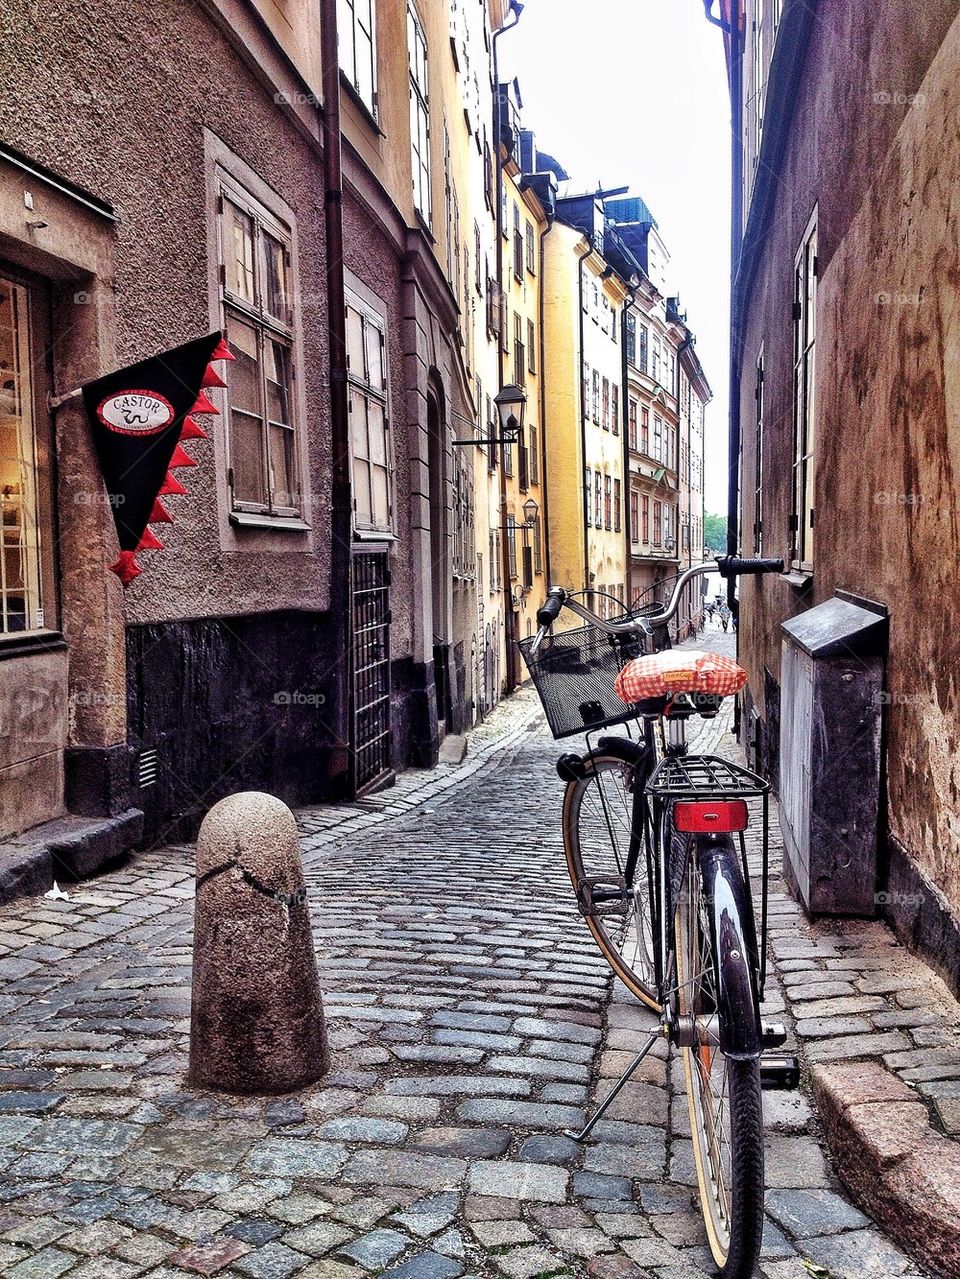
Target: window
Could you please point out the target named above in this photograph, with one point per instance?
(646, 518)
(477, 260)
(512, 545)
(517, 244)
(357, 49)
(256, 265)
(585, 391)
(531, 246)
(519, 352)
(508, 459)
(634, 516)
(616, 506)
(657, 437)
(759, 88)
(419, 114)
(630, 331)
(534, 454)
(645, 431)
(632, 428)
(537, 547)
(758, 462)
(804, 345)
(492, 433)
(657, 523)
(27, 597)
(523, 466)
(369, 424)
(644, 344)
(597, 499)
(531, 347)
(655, 362)
(464, 561)
(596, 396)
(607, 502)
(605, 417)
(672, 386)
(488, 174)
(615, 407)
(588, 490)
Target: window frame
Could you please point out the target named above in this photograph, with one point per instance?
(804, 399)
(758, 458)
(255, 315)
(350, 76)
(372, 317)
(421, 167)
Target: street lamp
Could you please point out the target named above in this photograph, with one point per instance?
(511, 401)
(530, 511)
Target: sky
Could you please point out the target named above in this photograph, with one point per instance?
(634, 92)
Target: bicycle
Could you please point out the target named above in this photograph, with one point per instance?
(655, 849)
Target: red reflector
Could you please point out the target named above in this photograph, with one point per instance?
(721, 815)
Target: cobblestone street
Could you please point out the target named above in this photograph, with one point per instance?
(472, 1021)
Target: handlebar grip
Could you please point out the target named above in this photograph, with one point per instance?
(549, 610)
(735, 566)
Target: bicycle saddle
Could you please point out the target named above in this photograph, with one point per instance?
(679, 670)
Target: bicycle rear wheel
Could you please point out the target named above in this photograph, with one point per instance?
(598, 826)
(723, 1093)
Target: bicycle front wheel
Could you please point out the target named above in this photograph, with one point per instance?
(723, 1093)
(607, 866)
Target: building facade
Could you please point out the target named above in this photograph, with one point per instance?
(844, 321)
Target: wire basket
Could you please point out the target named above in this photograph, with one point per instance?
(574, 673)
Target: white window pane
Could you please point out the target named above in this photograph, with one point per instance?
(282, 466)
(246, 456)
(355, 343)
(244, 382)
(277, 292)
(361, 493)
(376, 433)
(238, 252)
(364, 82)
(374, 344)
(380, 497)
(358, 425)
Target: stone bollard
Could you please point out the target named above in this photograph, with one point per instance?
(257, 1015)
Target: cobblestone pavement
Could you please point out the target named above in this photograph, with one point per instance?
(472, 1021)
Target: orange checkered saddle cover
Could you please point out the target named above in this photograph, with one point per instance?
(679, 670)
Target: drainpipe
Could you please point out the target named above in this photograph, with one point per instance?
(625, 428)
(509, 618)
(544, 488)
(341, 498)
(583, 424)
(684, 345)
(735, 33)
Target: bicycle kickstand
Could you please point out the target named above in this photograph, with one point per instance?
(601, 1110)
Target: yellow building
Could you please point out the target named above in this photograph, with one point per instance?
(584, 417)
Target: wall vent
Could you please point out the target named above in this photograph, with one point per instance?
(147, 768)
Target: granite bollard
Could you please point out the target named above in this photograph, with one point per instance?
(257, 1022)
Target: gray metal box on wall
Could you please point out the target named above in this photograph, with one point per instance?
(831, 703)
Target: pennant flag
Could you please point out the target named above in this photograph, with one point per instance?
(138, 417)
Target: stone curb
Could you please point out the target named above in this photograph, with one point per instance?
(895, 1165)
(68, 848)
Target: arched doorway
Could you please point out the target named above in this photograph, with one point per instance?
(440, 578)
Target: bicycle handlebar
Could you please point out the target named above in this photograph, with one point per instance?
(727, 566)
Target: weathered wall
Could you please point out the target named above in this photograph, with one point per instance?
(875, 143)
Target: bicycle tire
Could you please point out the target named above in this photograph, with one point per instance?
(588, 856)
(731, 1196)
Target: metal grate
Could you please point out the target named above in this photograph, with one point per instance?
(371, 669)
(693, 776)
(147, 765)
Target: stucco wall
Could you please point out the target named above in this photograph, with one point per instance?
(116, 98)
(875, 142)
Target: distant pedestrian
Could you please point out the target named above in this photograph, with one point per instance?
(724, 616)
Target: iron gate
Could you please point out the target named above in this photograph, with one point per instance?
(371, 669)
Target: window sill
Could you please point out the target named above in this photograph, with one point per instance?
(275, 523)
(28, 643)
(425, 226)
(801, 579)
(373, 535)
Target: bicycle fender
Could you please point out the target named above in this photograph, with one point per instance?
(734, 946)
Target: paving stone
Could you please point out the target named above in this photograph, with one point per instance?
(297, 1208)
(541, 1182)
(99, 1236)
(428, 1216)
(37, 1103)
(470, 1021)
(289, 1157)
(601, 1186)
(403, 1107)
(860, 1254)
(403, 1168)
(581, 1241)
(470, 1143)
(254, 1231)
(356, 1128)
(615, 1266)
(524, 1263)
(49, 1263)
(273, 1261)
(794, 1162)
(477, 1039)
(645, 1161)
(377, 1249)
(805, 1213)
(540, 1028)
(521, 1114)
(426, 1265)
(208, 1258)
(549, 1149)
(497, 1234)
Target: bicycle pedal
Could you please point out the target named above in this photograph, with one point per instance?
(606, 895)
(773, 1034)
(780, 1072)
